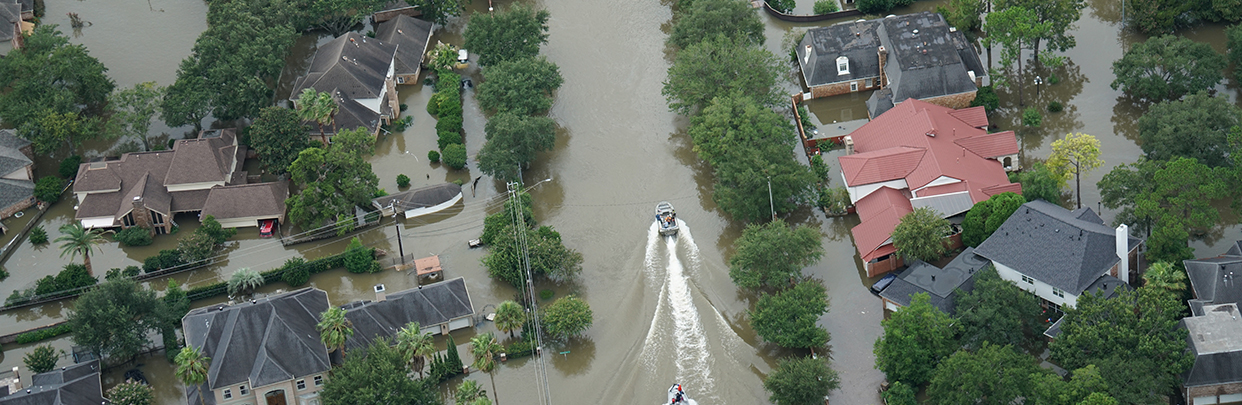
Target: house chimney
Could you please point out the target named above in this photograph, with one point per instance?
(883, 60)
(849, 145)
(16, 385)
(1123, 252)
(806, 56)
(380, 293)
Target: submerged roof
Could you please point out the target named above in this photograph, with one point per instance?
(941, 285)
(429, 305)
(76, 384)
(411, 36)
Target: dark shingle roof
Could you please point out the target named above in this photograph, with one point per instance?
(857, 41)
(351, 64)
(15, 191)
(1213, 338)
(942, 285)
(77, 384)
(247, 200)
(411, 36)
(1214, 281)
(210, 158)
(261, 343)
(10, 20)
(11, 156)
(925, 59)
(1053, 245)
(428, 305)
(429, 196)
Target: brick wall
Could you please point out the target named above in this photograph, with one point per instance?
(879, 267)
(954, 101)
(1213, 390)
(13, 209)
(390, 14)
(834, 89)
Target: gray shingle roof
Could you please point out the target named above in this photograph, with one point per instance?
(925, 60)
(10, 19)
(429, 196)
(1053, 245)
(11, 156)
(1213, 338)
(1214, 281)
(411, 36)
(15, 191)
(429, 305)
(942, 285)
(77, 384)
(351, 64)
(260, 343)
(857, 41)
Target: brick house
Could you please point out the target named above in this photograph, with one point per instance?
(359, 72)
(411, 35)
(262, 352)
(73, 384)
(147, 189)
(16, 174)
(920, 155)
(395, 8)
(1213, 337)
(438, 308)
(913, 56)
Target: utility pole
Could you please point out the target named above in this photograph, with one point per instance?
(771, 204)
(400, 247)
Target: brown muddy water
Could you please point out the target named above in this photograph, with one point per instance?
(665, 309)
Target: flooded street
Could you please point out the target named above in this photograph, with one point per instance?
(665, 308)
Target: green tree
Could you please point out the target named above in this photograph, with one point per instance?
(514, 140)
(195, 247)
(333, 180)
(1165, 276)
(718, 67)
(999, 312)
(1168, 67)
(1031, 117)
(339, 16)
(802, 380)
(133, 236)
(993, 375)
(49, 188)
(377, 375)
(920, 235)
(42, 359)
(1059, 15)
(986, 97)
(964, 14)
(1156, 17)
(1039, 183)
(513, 33)
(523, 86)
(510, 316)
(548, 256)
(188, 100)
(317, 107)
(192, 368)
(1013, 29)
(176, 303)
(48, 130)
(881, 7)
(733, 121)
(69, 167)
(360, 259)
(278, 136)
(1194, 127)
(791, 317)
(415, 345)
(484, 348)
(707, 19)
(212, 228)
(131, 392)
(455, 156)
(1074, 155)
(1052, 389)
(1167, 200)
(114, 319)
(567, 317)
(470, 393)
(1233, 45)
(751, 183)
(38, 236)
(988, 215)
(244, 281)
(334, 328)
(296, 272)
(825, 7)
(915, 339)
(133, 109)
(438, 11)
(773, 254)
(77, 240)
(899, 394)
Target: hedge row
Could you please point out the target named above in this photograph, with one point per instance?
(316, 266)
(43, 334)
(446, 106)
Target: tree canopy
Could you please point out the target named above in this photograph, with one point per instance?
(376, 375)
(733, 19)
(790, 318)
(773, 254)
(1168, 67)
(801, 380)
(1013, 29)
(999, 312)
(514, 140)
(131, 392)
(1072, 156)
(548, 256)
(719, 67)
(132, 111)
(988, 215)
(522, 86)
(1059, 15)
(915, 339)
(567, 317)
(438, 11)
(992, 375)
(1156, 17)
(920, 235)
(278, 136)
(333, 180)
(1039, 183)
(1167, 200)
(1194, 127)
(338, 16)
(42, 359)
(114, 319)
(513, 33)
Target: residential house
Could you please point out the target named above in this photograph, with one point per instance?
(1058, 254)
(28, 7)
(359, 72)
(1213, 337)
(265, 351)
(395, 8)
(77, 384)
(147, 189)
(921, 155)
(411, 35)
(16, 174)
(438, 308)
(1214, 280)
(12, 26)
(942, 285)
(914, 56)
(420, 201)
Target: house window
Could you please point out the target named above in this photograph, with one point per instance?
(843, 66)
(301, 385)
(128, 219)
(1058, 292)
(318, 381)
(1028, 280)
(243, 390)
(228, 393)
(853, 86)
(157, 218)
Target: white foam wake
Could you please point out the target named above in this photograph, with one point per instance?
(691, 248)
(690, 339)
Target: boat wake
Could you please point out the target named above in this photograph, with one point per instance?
(676, 314)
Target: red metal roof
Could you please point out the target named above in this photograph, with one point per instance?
(881, 165)
(991, 145)
(1001, 188)
(974, 116)
(880, 212)
(943, 189)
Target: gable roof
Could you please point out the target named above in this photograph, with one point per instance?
(247, 200)
(77, 384)
(941, 285)
(15, 191)
(210, 158)
(880, 212)
(1214, 280)
(10, 20)
(262, 342)
(925, 59)
(881, 165)
(411, 36)
(11, 156)
(428, 305)
(856, 41)
(1213, 337)
(1054, 245)
(351, 64)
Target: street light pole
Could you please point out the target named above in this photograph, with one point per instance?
(400, 247)
(771, 204)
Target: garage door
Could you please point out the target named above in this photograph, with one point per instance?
(459, 323)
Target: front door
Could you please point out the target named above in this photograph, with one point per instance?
(276, 397)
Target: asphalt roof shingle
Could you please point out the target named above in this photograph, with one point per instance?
(1213, 338)
(247, 200)
(411, 36)
(1214, 280)
(431, 304)
(76, 384)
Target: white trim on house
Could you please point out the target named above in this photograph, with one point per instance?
(939, 181)
(172, 188)
(372, 104)
(418, 212)
(97, 222)
(858, 192)
(244, 222)
(1040, 288)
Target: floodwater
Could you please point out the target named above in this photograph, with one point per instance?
(665, 309)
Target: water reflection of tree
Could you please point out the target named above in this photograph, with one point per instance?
(1105, 10)
(1125, 116)
(1070, 84)
(578, 360)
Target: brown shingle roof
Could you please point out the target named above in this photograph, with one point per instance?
(207, 159)
(185, 201)
(249, 200)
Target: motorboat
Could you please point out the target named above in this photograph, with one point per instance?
(667, 218)
(883, 283)
(678, 396)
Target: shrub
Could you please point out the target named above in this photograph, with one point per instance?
(48, 188)
(449, 123)
(360, 259)
(784, 6)
(72, 276)
(546, 294)
(42, 359)
(448, 138)
(43, 334)
(132, 392)
(455, 156)
(433, 105)
(69, 167)
(433, 156)
(519, 349)
(1031, 117)
(38, 235)
(404, 107)
(826, 6)
(1055, 107)
(167, 258)
(403, 181)
(295, 272)
(1053, 79)
(986, 97)
(128, 272)
(450, 106)
(133, 236)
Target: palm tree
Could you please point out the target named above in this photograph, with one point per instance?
(79, 240)
(485, 348)
(469, 393)
(334, 329)
(192, 368)
(510, 316)
(1163, 275)
(415, 345)
(317, 107)
(244, 280)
